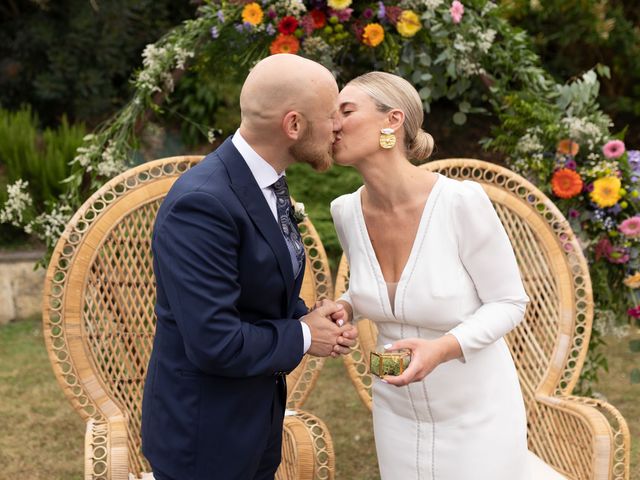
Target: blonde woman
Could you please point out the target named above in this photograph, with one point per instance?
(432, 266)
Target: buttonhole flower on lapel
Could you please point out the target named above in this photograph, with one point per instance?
(298, 212)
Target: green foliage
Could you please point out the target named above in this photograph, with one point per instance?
(76, 56)
(573, 36)
(40, 158)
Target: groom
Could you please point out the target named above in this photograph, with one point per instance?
(229, 263)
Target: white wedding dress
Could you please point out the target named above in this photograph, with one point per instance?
(466, 420)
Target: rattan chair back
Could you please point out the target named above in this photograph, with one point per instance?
(99, 319)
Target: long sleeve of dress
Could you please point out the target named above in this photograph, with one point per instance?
(487, 256)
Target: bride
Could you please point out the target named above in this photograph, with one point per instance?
(432, 266)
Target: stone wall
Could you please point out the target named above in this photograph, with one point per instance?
(20, 285)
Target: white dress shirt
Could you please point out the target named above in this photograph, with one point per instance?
(265, 176)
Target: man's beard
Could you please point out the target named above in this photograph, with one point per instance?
(305, 151)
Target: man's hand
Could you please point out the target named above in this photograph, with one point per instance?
(341, 317)
(325, 334)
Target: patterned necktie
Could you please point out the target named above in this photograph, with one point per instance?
(287, 226)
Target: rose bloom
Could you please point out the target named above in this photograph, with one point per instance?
(252, 13)
(613, 149)
(373, 34)
(408, 23)
(630, 227)
(456, 11)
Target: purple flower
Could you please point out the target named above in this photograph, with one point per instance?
(343, 15)
(220, 16)
(270, 30)
(382, 12)
(571, 164)
(368, 13)
(272, 13)
(239, 27)
(588, 187)
(573, 213)
(214, 32)
(616, 209)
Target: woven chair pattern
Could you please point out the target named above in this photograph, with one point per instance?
(550, 345)
(99, 321)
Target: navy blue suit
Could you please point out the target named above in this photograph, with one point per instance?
(226, 332)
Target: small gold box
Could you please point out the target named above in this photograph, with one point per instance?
(392, 362)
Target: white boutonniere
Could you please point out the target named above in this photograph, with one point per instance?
(299, 214)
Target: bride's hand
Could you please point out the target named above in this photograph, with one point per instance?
(426, 355)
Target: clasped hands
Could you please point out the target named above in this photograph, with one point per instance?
(331, 333)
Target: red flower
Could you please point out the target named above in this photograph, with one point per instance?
(288, 25)
(634, 312)
(285, 44)
(319, 18)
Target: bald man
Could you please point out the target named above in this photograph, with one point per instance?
(229, 264)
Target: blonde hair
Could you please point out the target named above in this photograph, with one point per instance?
(390, 91)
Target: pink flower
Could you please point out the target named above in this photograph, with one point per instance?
(631, 227)
(613, 148)
(634, 312)
(613, 254)
(456, 11)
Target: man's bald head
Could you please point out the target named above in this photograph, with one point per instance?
(281, 83)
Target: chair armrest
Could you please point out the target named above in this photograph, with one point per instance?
(106, 455)
(573, 437)
(621, 469)
(307, 448)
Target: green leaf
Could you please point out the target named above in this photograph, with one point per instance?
(634, 346)
(425, 93)
(464, 107)
(459, 118)
(635, 375)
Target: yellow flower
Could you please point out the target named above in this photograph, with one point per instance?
(408, 23)
(373, 34)
(606, 191)
(252, 13)
(339, 4)
(633, 281)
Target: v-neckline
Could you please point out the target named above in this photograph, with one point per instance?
(422, 226)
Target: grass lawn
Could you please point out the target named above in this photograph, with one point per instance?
(42, 437)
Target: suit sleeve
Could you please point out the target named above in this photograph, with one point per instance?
(301, 309)
(196, 256)
(486, 253)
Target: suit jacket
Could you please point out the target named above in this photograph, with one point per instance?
(226, 304)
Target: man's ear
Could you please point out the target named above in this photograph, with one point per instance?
(293, 125)
(395, 118)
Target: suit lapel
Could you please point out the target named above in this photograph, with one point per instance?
(248, 192)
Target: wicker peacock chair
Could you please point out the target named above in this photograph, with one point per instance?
(99, 324)
(581, 438)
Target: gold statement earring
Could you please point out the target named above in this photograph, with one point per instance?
(387, 138)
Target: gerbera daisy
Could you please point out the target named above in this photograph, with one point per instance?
(631, 227)
(252, 13)
(339, 4)
(288, 25)
(567, 147)
(606, 191)
(285, 44)
(373, 34)
(633, 281)
(613, 149)
(566, 183)
(408, 23)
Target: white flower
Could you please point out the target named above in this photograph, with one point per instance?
(433, 4)
(529, 143)
(18, 201)
(299, 213)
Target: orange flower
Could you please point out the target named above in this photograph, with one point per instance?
(568, 147)
(373, 34)
(285, 44)
(566, 183)
(252, 13)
